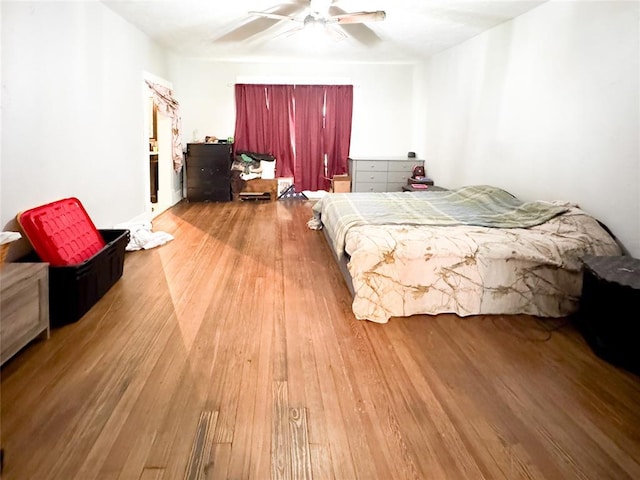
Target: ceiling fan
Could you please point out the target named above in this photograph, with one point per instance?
(322, 13)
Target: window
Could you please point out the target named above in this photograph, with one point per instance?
(306, 127)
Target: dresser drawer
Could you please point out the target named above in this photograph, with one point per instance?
(372, 187)
(198, 179)
(399, 176)
(196, 163)
(204, 173)
(207, 182)
(371, 165)
(209, 150)
(372, 177)
(207, 165)
(209, 194)
(403, 165)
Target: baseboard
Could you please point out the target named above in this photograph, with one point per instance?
(142, 219)
(176, 196)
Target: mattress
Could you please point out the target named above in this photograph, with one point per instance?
(443, 263)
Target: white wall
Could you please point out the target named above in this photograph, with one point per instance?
(382, 111)
(547, 107)
(73, 109)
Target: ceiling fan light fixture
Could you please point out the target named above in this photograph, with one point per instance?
(309, 20)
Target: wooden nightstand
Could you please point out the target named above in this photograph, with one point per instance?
(24, 302)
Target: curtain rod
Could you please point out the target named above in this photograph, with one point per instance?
(294, 84)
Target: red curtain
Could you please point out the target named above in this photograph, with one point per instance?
(252, 118)
(281, 121)
(309, 141)
(337, 128)
(306, 127)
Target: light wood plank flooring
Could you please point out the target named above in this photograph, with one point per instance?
(231, 353)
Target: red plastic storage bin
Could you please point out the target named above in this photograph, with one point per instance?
(74, 289)
(61, 232)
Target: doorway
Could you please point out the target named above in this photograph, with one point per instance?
(162, 167)
(165, 184)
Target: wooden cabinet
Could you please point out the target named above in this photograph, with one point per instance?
(384, 174)
(24, 305)
(208, 172)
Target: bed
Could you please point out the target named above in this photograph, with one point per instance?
(472, 251)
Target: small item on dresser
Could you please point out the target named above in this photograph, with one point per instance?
(5, 239)
(421, 180)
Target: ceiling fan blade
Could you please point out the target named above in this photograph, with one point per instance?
(357, 31)
(360, 17)
(273, 16)
(258, 25)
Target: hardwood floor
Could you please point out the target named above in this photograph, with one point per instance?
(231, 352)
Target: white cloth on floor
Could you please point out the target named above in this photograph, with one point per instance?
(142, 238)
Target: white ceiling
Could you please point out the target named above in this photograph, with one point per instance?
(224, 30)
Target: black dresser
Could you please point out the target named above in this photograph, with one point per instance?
(208, 169)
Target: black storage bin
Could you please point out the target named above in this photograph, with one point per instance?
(74, 289)
(610, 296)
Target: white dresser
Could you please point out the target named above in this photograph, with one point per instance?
(383, 174)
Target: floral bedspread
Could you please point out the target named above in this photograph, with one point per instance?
(407, 269)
